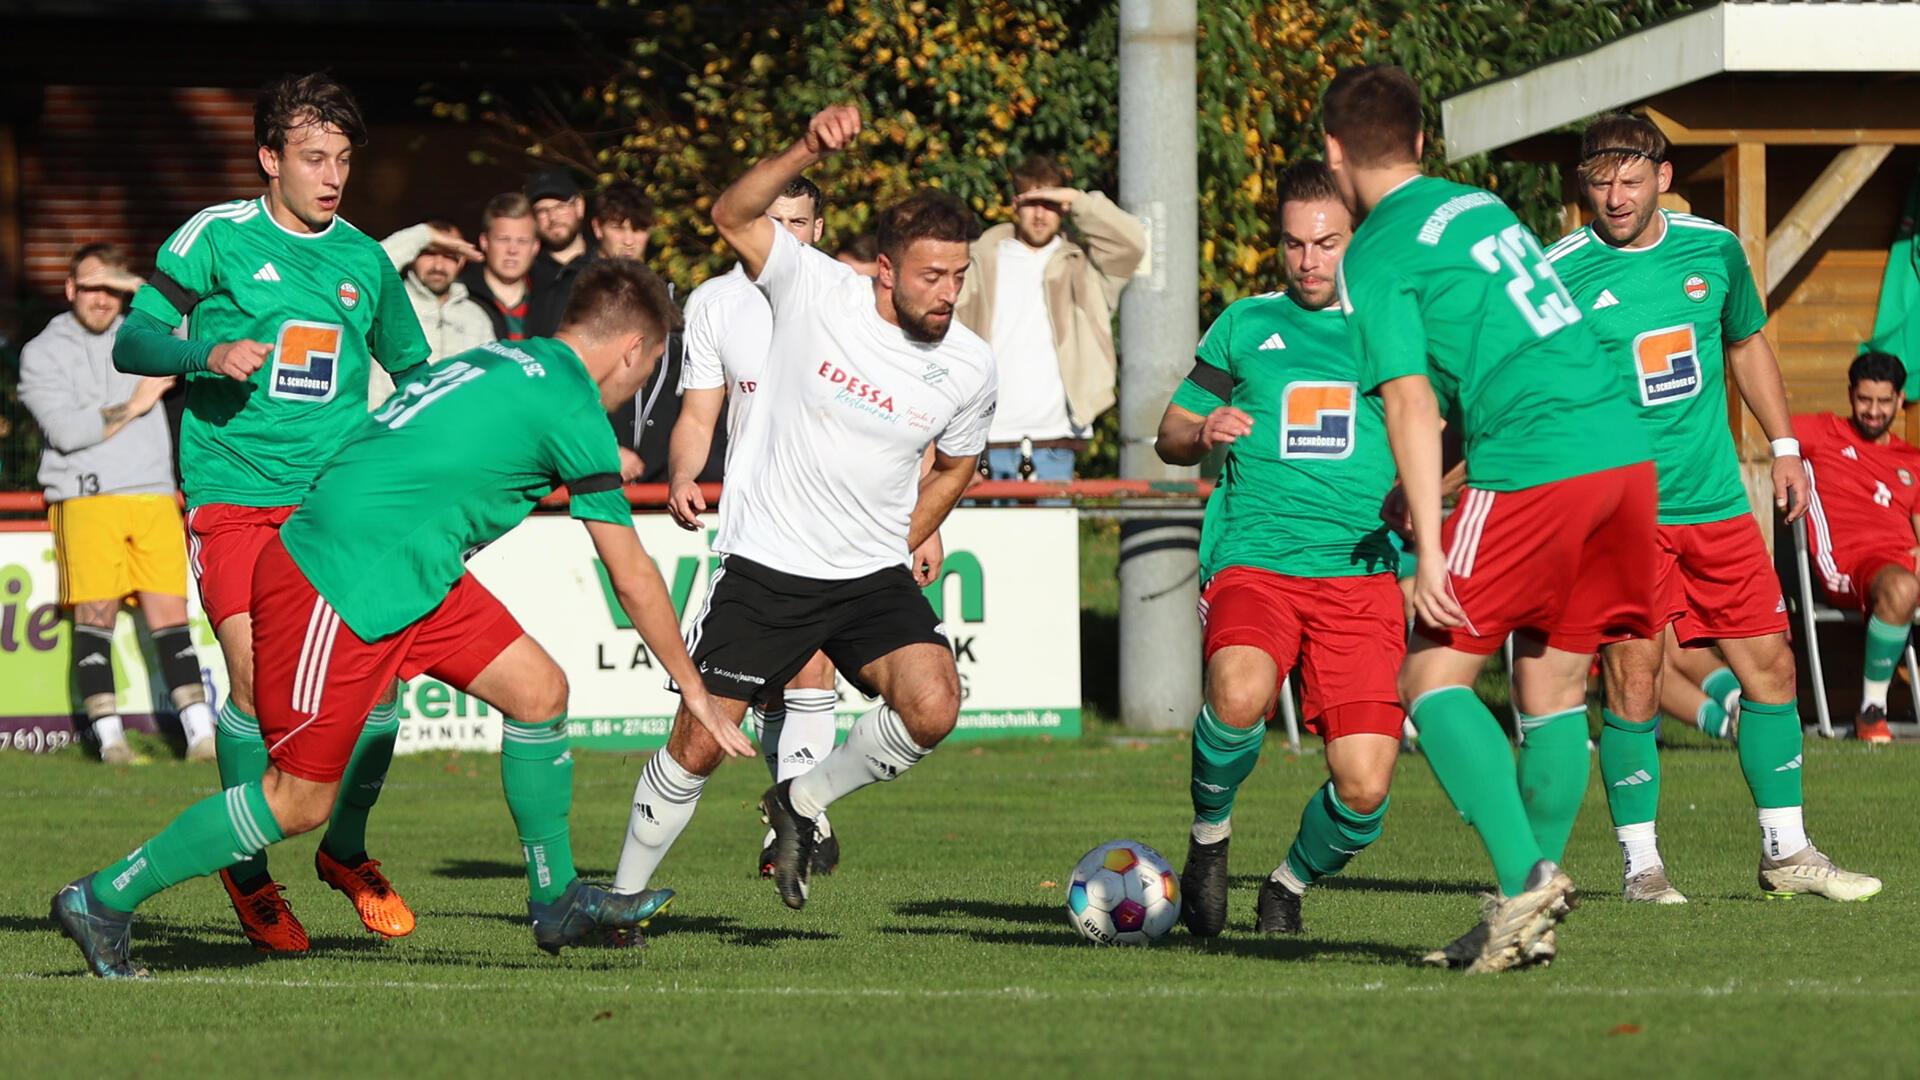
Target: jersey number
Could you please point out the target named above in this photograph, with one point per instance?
(306, 361)
(409, 400)
(1531, 283)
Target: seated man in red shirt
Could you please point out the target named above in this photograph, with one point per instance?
(1863, 522)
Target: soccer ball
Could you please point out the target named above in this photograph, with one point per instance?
(1123, 893)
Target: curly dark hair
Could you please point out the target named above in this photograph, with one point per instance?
(292, 102)
(927, 214)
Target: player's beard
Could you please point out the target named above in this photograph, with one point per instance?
(1871, 430)
(1642, 218)
(919, 325)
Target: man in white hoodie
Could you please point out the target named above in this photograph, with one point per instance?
(430, 257)
(107, 469)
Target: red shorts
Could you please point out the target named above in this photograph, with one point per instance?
(224, 541)
(1348, 634)
(315, 680)
(1715, 580)
(1567, 560)
(1847, 579)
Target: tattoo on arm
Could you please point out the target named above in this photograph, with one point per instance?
(114, 414)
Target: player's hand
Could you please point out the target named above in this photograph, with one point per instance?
(238, 359)
(685, 504)
(149, 393)
(1790, 486)
(630, 466)
(1432, 598)
(832, 129)
(1059, 198)
(731, 739)
(926, 559)
(1221, 427)
(443, 242)
(1397, 512)
(106, 277)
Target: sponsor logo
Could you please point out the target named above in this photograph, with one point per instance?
(1317, 420)
(266, 273)
(1606, 299)
(645, 810)
(1666, 365)
(1780, 605)
(131, 872)
(747, 386)
(1791, 765)
(934, 373)
(891, 771)
(1273, 342)
(1640, 776)
(855, 389)
(1204, 786)
(1696, 288)
(306, 356)
(349, 294)
(1849, 453)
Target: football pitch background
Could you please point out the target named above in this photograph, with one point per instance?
(941, 948)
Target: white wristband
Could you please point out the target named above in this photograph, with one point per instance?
(1786, 448)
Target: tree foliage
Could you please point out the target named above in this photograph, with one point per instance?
(953, 88)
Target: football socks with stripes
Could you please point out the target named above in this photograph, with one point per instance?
(214, 833)
(663, 803)
(180, 665)
(536, 771)
(1469, 755)
(1223, 758)
(242, 758)
(768, 724)
(93, 678)
(807, 736)
(346, 838)
(1885, 643)
(878, 749)
(1330, 836)
(1553, 769)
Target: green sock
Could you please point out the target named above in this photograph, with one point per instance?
(1712, 719)
(200, 841)
(360, 788)
(1468, 752)
(1719, 683)
(1554, 765)
(1770, 752)
(1223, 757)
(1630, 767)
(242, 757)
(536, 769)
(1885, 643)
(1331, 835)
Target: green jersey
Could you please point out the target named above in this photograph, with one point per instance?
(328, 303)
(456, 457)
(1301, 494)
(1664, 314)
(1442, 280)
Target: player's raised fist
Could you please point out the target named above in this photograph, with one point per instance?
(238, 359)
(1223, 426)
(833, 129)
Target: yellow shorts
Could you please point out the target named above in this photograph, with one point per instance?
(111, 546)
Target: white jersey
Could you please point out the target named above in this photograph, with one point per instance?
(729, 327)
(823, 482)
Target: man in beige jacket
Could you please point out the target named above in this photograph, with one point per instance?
(1045, 303)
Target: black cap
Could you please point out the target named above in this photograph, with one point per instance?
(552, 182)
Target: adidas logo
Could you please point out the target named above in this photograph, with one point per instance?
(1848, 453)
(94, 658)
(1780, 606)
(266, 273)
(1791, 765)
(1606, 299)
(1204, 786)
(1273, 342)
(1640, 776)
(646, 811)
(804, 754)
(884, 767)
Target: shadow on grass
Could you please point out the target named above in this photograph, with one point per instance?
(1268, 948)
(1368, 884)
(164, 944)
(1034, 914)
(727, 929)
(498, 869)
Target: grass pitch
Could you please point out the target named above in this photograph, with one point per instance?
(941, 947)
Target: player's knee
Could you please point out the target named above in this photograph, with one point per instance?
(1362, 794)
(1239, 703)
(1899, 593)
(817, 675)
(930, 710)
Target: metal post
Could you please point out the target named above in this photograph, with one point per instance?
(1159, 323)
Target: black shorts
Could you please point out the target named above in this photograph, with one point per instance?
(760, 626)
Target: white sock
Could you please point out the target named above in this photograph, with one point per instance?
(807, 737)
(196, 722)
(1783, 831)
(663, 803)
(878, 749)
(768, 727)
(1874, 692)
(1207, 832)
(1639, 847)
(109, 730)
(1285, 876)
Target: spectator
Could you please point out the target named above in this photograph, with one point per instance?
(1045, 303)
(500, 283)
(862, 253)
(560, 217)
(430, 257)
(108, 473)
(622, 220)
(1861, 520)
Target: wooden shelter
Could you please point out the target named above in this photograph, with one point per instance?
(1796, 124)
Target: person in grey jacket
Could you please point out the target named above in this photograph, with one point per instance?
(430, 257)
(108, 473)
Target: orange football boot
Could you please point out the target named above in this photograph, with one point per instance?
(379, 907)
(265, 917)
